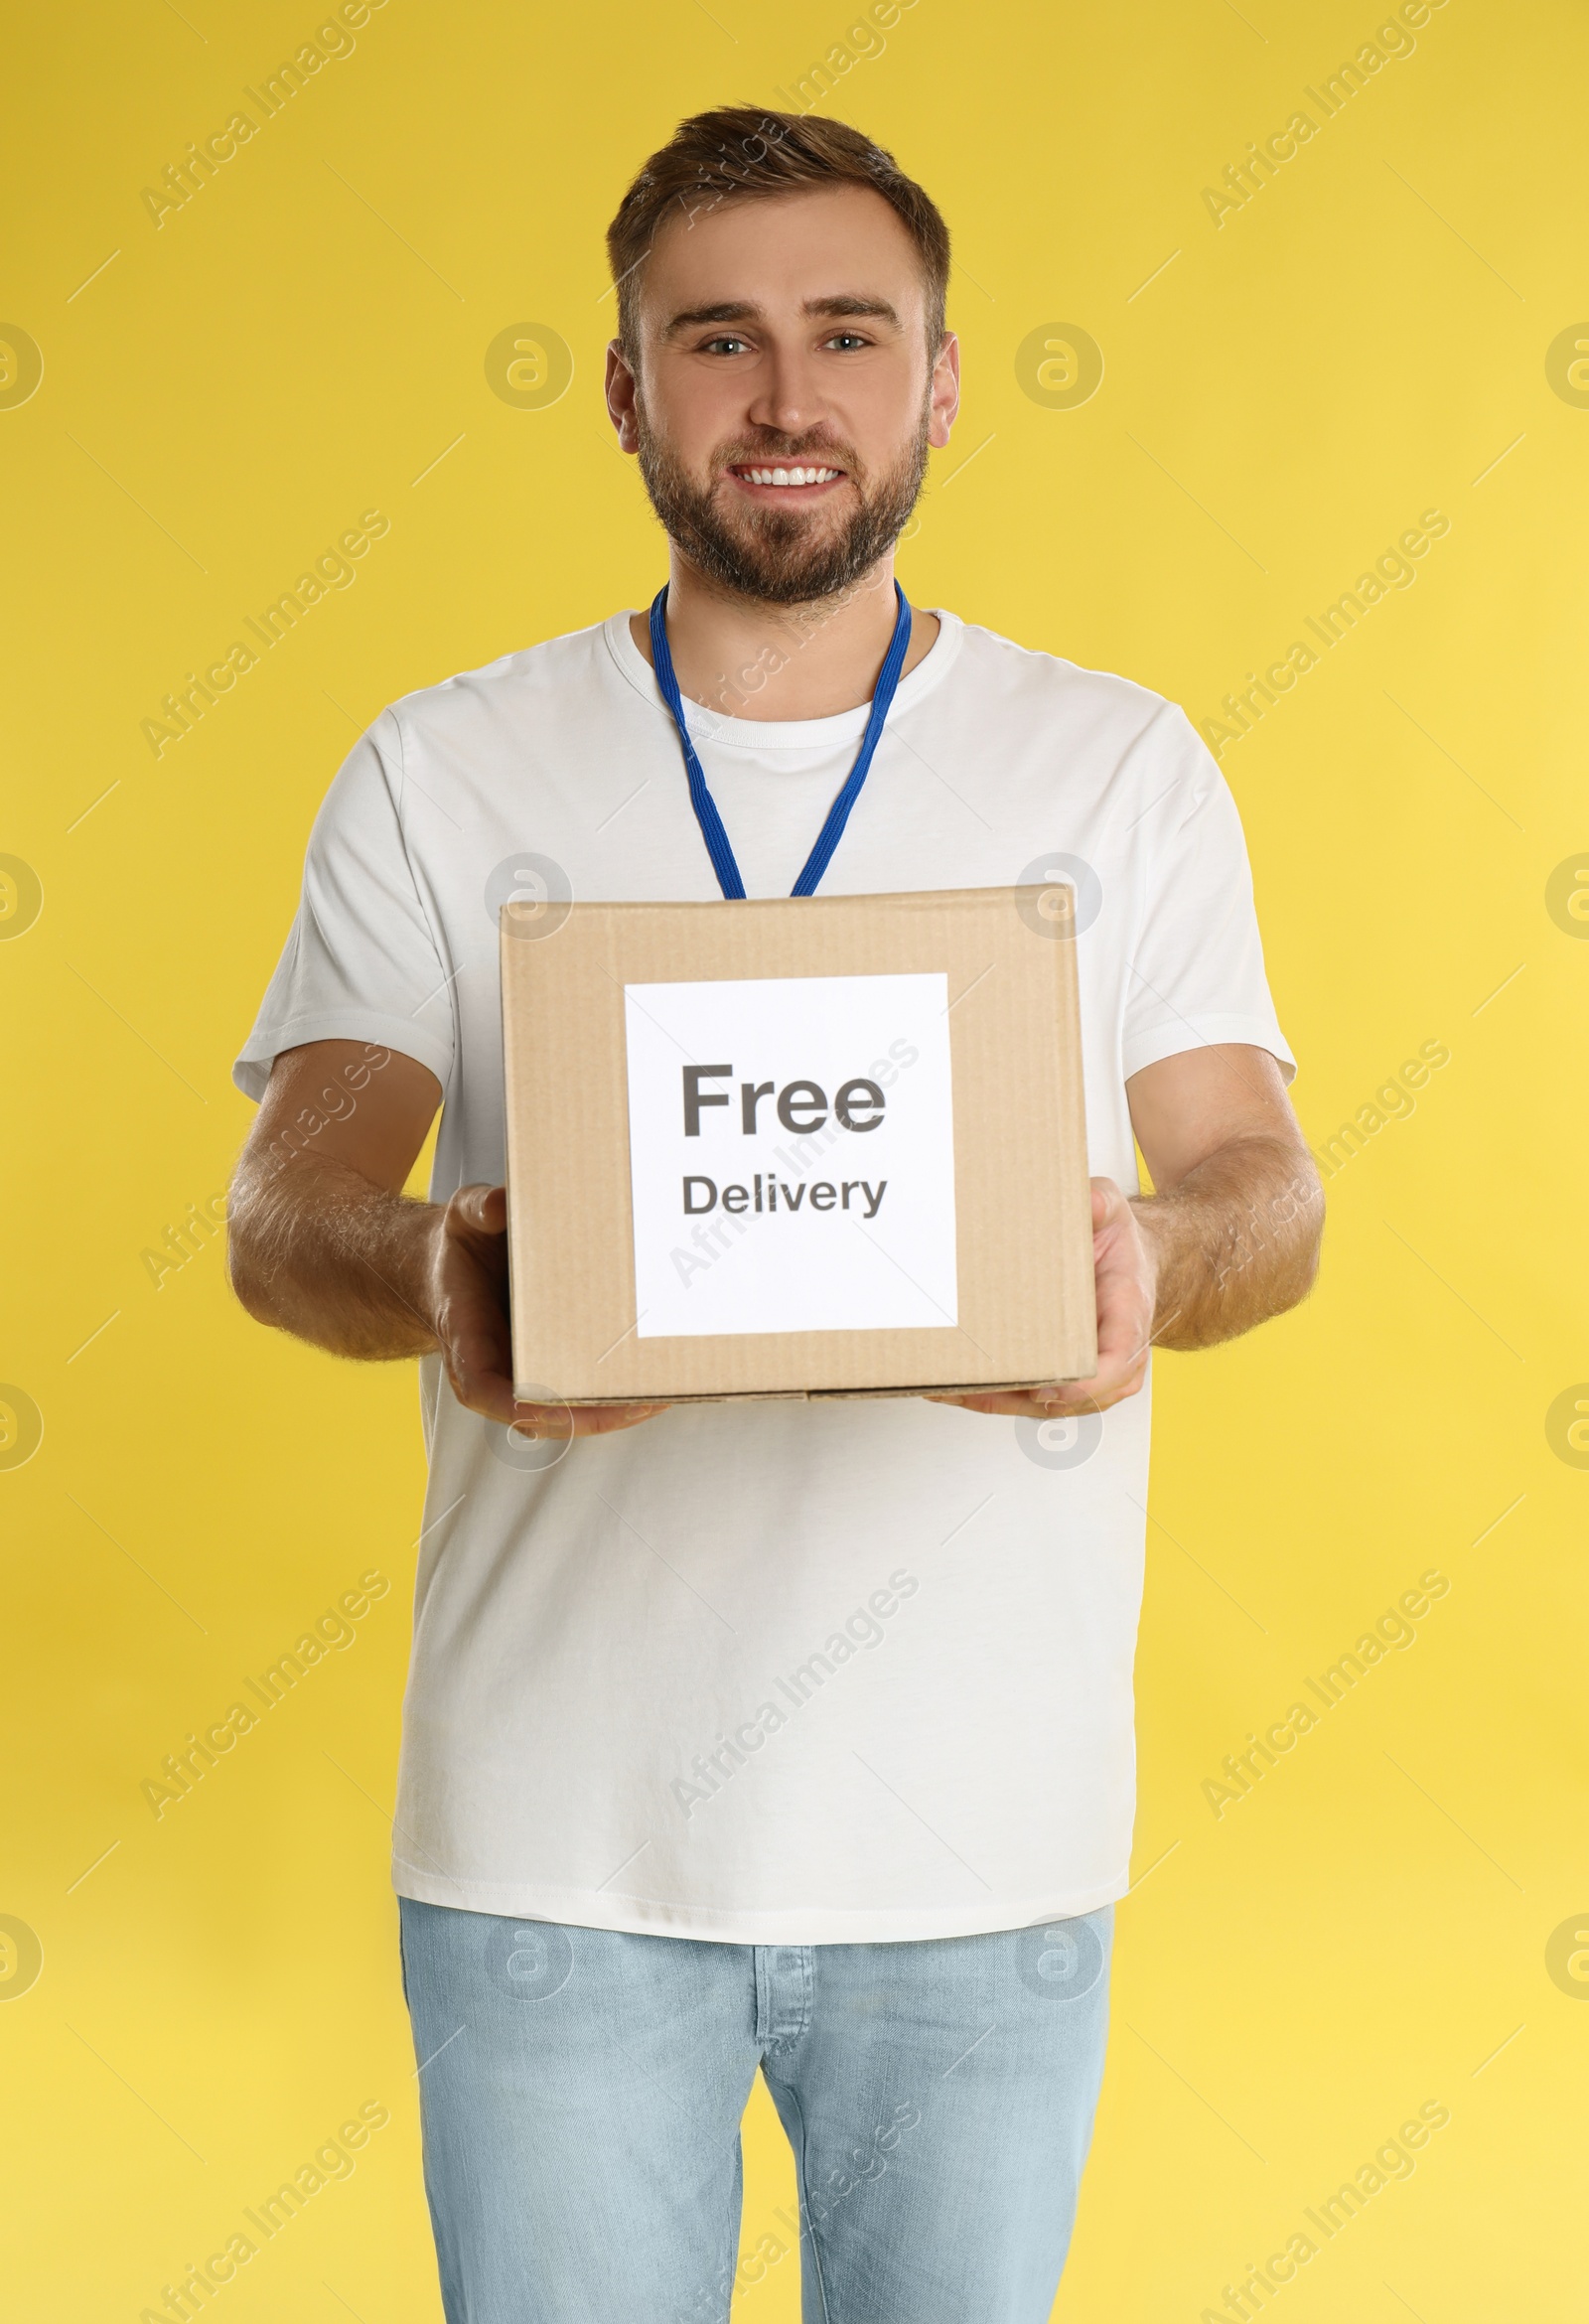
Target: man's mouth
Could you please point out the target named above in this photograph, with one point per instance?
(807, 481)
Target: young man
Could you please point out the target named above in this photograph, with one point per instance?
(783, 1735)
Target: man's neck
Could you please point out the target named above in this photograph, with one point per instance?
(744, 659)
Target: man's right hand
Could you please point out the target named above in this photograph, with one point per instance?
(325, 1243)
(468, 1305)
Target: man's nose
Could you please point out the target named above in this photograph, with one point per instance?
(786, 398)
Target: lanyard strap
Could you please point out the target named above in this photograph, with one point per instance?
(839, 814)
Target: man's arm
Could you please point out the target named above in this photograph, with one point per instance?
(324, 1243)
(1229, 1236)
(1236, 1214)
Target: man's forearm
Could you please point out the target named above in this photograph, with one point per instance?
(322, 1253)
(1237, 1240)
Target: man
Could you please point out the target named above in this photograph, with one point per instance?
(785, 1735)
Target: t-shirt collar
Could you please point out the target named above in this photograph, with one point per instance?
(787, 734)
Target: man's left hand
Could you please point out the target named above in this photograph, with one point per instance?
(1126, 1272)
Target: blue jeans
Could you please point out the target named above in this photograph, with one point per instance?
(581, 2094)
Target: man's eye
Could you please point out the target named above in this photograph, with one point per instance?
(847, 338)
(729, 345)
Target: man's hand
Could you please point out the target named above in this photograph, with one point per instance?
(324, 1243)
(1229, 1237)
(1126, 1273)
(468, 1309)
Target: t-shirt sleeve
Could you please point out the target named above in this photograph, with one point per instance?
(362, 962)
(1196, 975)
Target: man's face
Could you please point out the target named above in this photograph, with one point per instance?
(784, 338)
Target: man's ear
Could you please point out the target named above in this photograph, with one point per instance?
(622, 395)
(945, 392)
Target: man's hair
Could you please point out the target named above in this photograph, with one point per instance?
(745, 151)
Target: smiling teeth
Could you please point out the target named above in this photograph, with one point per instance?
(790, 476)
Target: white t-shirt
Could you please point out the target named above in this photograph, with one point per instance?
(772, 1672)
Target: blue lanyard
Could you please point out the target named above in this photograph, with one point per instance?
(839, 814)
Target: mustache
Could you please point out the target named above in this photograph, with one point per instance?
(799, 448)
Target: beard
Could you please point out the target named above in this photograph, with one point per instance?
(762, 554)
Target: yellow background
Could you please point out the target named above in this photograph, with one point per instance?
(1364, 340)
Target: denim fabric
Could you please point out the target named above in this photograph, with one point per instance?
(582, 2088)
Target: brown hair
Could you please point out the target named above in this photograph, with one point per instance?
(741, 148)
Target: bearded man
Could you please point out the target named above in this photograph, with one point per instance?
(896, 1904)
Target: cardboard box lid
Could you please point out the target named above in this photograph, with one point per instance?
(1018, 1295)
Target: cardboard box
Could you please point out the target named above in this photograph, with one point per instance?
(802, 1147)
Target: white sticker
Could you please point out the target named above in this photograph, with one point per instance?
(791, 1155)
